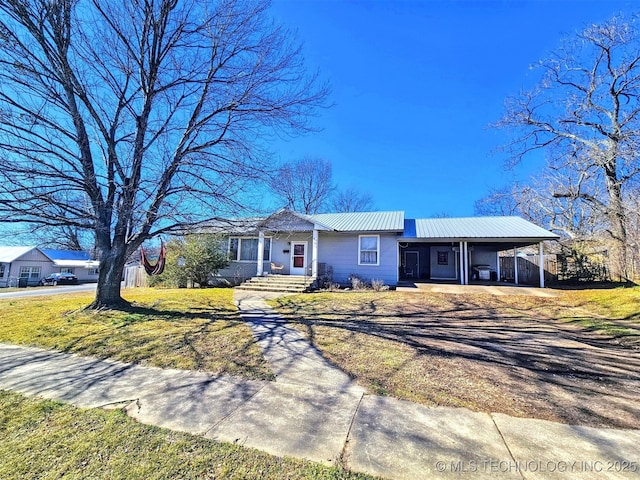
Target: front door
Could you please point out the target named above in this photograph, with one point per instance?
(412, 265)
(298, 258)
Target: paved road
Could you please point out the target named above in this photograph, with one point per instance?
(46, 291)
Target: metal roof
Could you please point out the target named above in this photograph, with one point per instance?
(9, 254)
(476, 228)
(362, 221)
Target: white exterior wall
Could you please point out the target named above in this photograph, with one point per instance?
(33, 258)
(84, 275)
(340, 251)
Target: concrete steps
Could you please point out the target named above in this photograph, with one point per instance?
(278, 283)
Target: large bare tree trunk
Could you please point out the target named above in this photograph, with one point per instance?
(108, 292)
(618, 261)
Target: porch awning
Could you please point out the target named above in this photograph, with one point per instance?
(513, 229)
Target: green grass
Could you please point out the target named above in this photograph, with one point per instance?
(183, 329)
(612, 312)
(49, 440)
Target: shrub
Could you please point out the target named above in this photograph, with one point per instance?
(378, 285)
(193, 260)
(357, 283)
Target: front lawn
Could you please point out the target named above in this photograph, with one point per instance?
(184, 329)
(47, 439)
(572, 359)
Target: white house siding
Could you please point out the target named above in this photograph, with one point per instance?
(33, 258)
(340, 252)
(85, 275)
(4, 274)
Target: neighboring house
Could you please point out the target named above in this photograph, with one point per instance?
(33, 263)
(381, 246)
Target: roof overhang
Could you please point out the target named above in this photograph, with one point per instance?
(514, 241)
(88, 264)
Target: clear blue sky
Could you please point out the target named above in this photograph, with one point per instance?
(416, 85)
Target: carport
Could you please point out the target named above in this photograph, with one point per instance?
(465, 249)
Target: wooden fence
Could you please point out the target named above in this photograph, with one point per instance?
(529, 270)
(135, 277)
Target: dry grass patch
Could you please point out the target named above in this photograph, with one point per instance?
(185, 329)
(47, 439)
(519, 355)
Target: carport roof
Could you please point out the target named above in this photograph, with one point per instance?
(476, 228)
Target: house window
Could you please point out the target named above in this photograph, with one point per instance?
(443, 258)
(369, 250)
(1, 270)
(246, 249)
(30, 272)
(66, 270)
(93, 271)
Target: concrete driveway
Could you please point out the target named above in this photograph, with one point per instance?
(498, 289)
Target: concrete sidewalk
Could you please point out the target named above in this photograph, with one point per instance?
(314, 411)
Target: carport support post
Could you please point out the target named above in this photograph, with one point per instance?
(466, 263)
(515, 264)
(498, 266)
(314, 254)
(541, 264)
(260, 269)
(461, 266)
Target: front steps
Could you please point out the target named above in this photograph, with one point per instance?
(278, 283)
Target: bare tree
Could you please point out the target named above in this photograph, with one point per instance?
(133, 118)
(499, 201)
(585, 114)
(303, 185)
(351, 199)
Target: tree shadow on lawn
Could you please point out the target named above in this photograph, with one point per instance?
(495, 359)
(202, 338)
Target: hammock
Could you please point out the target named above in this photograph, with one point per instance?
(158, 268)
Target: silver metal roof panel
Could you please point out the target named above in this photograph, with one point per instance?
(362, 221)
(479, 228)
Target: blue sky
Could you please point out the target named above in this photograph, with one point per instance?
(416, 85)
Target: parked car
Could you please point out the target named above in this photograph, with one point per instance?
(59, 279)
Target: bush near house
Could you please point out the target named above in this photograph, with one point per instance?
(192, 261)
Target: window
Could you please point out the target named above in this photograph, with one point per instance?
(443, 258)
(368, 250)
(1, 270)
(234, 248)
(30, 272)
(66, 270)
(246, 249)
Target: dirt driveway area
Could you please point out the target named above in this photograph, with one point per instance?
(520, 355)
